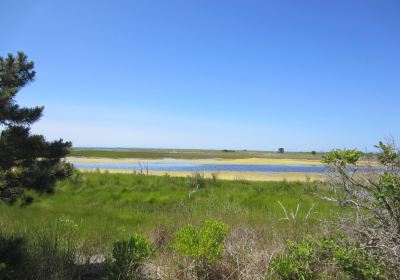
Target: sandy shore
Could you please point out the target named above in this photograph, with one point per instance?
(226, 175)
(200, 161)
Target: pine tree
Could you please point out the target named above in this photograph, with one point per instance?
(27, 162)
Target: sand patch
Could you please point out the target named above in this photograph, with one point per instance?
(226, 175)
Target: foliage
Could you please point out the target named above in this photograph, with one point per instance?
(48, 253)
(315, 258)
(357, 262)
(26, 161)
(214, 177)
(196, 181)
(342, 158)
(12, 257)
(373, 193)
(281, 150)
(76, 179)
(128, 255)
(204, 244)
(299, 263)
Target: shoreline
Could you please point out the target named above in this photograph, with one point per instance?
(250, 161)
(226, 175)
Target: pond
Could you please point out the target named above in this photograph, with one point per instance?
(205, 167)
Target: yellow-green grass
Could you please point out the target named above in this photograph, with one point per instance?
(192, 154)
(228, 175)
(99, 208)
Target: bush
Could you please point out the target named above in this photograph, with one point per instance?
(314, 259)
(50, 252)
(77, 179)
(203, 245)
(12, 257)
(196, 181)
(214, 177)
(128, 255)
(300, 262)
(358, 263)
(372, 194)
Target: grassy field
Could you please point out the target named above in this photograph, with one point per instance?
(192, 154)
(91, 210)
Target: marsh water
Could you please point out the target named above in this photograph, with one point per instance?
(189, 166)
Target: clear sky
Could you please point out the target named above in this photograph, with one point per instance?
(304, 75)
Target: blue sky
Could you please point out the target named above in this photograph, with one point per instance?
(304, 75)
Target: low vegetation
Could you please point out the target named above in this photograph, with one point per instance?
(78, 227)
(128, 257)
(326, 258)
(191, 154)
(202, 245)
(135, 226)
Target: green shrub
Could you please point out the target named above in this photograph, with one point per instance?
(196, 181)
(48, 252)
(300, 262)
(128, 255)
(313, 259)
(372, 194)
(12, 257)
(214, 177)
(204, 244)
(358, 263)
(76, 179)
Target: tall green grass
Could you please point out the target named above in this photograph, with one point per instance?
(70, 234)
(105, 206)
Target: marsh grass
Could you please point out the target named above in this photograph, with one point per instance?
(190, 154)
(79, 223)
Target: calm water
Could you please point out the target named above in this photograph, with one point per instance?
(192, 167)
